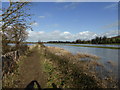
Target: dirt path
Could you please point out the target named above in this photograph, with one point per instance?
(31, 69)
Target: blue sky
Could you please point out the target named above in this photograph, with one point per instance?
(72, 20)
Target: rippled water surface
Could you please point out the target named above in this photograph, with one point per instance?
(106, 55)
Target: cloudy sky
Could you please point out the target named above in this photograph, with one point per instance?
(73, 20)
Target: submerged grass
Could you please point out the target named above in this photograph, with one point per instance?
(66, 73)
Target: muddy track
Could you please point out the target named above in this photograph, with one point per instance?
(31, 69)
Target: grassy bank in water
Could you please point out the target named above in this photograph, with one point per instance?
(96, 46)
(62, 70)
(68, 71)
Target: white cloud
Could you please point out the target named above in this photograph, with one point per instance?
(113, 6)
(111, 33)
(54, 35)
(41, 32)
(72, 5)
(34, 24)
(86, 35)
(41, 16)
(58, 35)
(66, 32)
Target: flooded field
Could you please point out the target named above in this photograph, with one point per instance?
(108, 57)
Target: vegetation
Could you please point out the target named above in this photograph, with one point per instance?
(67, 71)
(97, 40)
(59, 69)
(105, 40)
(10, 79)
(14, 25)
(52, 67)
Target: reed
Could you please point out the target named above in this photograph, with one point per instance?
(70, 72)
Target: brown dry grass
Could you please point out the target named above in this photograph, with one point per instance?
(62, 68)
(29, 69)
(71, 66)
(84, 55)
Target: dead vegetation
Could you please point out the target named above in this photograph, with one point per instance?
(62, 70)
(70, 71)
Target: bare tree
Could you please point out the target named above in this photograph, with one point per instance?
(17, 33)
(13, 14)
(15, 22)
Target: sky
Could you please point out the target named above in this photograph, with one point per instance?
(72, 20)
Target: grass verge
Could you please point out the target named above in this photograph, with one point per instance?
(63, 72)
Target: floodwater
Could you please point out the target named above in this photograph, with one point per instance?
(106, 55)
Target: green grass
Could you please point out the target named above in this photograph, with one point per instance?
(96, 46)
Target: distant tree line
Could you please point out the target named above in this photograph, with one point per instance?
(59, 42)
(101, 40)
(96, 40)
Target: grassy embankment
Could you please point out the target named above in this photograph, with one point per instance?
(28, 68)
(61, 70)
(67, 71)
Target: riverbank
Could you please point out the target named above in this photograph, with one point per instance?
(96, 46)
(85, 43)
(73, 72)
(58, 68)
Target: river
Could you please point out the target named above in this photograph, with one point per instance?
(105, 54)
